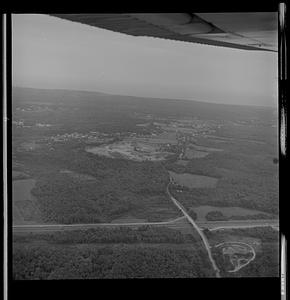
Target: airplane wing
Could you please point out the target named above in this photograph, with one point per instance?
(248, 31)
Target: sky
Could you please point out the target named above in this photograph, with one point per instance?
(51, 53)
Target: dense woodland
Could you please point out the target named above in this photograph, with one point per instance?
(142, 234)
(51, 262)
(109, 253)
(117, 188)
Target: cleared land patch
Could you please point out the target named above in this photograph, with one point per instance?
(221, 138)
(133, 150)
(22, 189)
(77, 175)
(203, 148)
(191, 153)
(182, 162)
(25, 206)
(29, 146)
(193, 180)
(16, 175)
(228, 212)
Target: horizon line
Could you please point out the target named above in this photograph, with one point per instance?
(148, 97)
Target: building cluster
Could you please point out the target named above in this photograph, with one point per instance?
(18, 123)
(21, 123)
(91, 137)
(34, 108)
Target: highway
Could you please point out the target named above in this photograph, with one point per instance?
(203, 237)
(210, 225)
(59, 227)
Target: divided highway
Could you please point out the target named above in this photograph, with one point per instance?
(59, 227)
(203, 237)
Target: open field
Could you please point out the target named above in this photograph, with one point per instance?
(22, 189)
(193, 181)
(78, 176)
(203, 148)
(25, 207)
(182, 162)
(190, 153)
(29, 146)
(228, 212)
(16, 175)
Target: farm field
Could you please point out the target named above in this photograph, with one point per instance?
(182, 162)
(16, 175)
(190, 154)
(200, 148)
(22, 189)
(25, 207)
(228, 212)
(193, 180)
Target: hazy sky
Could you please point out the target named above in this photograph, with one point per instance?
(52, 53)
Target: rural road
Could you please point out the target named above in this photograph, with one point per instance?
(203, 237)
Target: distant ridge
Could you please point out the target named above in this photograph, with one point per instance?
(139, 97)
(129, 105)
